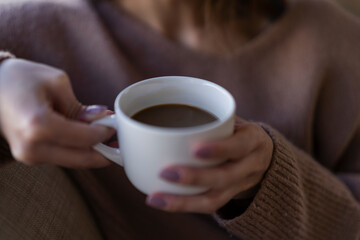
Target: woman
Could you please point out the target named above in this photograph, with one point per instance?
(293, 171)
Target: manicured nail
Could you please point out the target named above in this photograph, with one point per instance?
(170, 175)
(203, 153)
(109, 112)
(156, 202)
(90, 112)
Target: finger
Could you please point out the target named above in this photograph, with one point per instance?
(64, 100)
(202, 177)
(239, 121)
(77, 134)
(204, 203)
(62, 95)
(60, 130)
(65, 157)
(94, 112)
(244, 173)
(240, 144)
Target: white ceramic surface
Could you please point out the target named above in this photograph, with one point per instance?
(145, 150)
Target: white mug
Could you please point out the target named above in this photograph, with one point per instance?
(145, 150)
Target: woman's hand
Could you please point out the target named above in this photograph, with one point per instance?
(37, 117)
(249, 152)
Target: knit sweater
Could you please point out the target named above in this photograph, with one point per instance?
(299, 79)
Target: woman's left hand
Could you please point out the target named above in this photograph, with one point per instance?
(249, 152)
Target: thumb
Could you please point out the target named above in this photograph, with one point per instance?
(65, 102)
(62, 97)
(93, 112)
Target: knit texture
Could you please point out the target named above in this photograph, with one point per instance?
(293, 203)
(300, 77)
(41, 203)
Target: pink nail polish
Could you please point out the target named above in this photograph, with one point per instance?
(92, 111)
(204, 153)
(157, 202)
(170, 175)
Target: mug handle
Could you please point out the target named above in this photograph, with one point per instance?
(111, 153)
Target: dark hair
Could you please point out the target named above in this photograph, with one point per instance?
(243, 8)
(245, 13)
(231, 20)
(236, 8)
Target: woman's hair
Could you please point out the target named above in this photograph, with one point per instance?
(231, 11)
(249, 12)
(243, 8)
(231, 20)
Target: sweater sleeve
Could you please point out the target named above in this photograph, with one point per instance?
(5, 154)
(298, 199)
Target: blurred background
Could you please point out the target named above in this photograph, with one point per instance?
(352, 5)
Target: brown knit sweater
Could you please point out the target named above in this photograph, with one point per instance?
(300, 77)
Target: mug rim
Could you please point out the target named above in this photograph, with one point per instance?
(181, 130)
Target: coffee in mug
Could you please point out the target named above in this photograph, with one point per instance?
(159, 120)
(174, 116)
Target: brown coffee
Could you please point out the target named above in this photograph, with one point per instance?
(174, 116)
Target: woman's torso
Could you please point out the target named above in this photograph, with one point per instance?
(275, 79)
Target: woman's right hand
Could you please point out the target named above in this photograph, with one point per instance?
(39, 117)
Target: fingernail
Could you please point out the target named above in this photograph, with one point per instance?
(157, 202)
(170, 175)
(90, 112)
(203, 153)
(109, 112)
